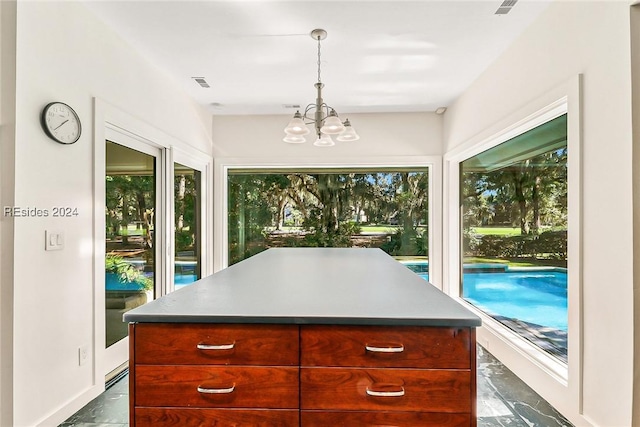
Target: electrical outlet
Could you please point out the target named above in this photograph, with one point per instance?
(83, 354)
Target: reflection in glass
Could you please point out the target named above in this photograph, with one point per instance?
(514, 234)
(130, 223)
(187, 225)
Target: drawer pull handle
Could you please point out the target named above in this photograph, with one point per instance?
(216, 390)
(389, 349)
(216, 347)
(398, 393)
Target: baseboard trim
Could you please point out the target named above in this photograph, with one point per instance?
(73, 406)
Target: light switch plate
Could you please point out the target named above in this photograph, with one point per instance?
(54, 240)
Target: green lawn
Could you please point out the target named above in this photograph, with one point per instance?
(507, 231)
(496, 231)
(131, 230)
(379, 228)
(517, 262)
(383, 228)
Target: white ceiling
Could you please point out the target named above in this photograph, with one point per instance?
(379, 56)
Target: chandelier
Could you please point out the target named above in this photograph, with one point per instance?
(323, 117)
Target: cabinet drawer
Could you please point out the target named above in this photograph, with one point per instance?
(382, 419)
(189, 417)
(386, 346)
(217, 386)
(198, 344)
(386, 389)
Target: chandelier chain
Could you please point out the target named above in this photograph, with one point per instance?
(319, 80)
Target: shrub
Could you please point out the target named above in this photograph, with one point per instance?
(340, 238)
(393, 246)
(423, 243)
(491, 246)
(127, 273)
(550, 244)
(553, 244)
(184, 239)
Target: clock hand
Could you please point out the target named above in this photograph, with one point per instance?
(56, 128)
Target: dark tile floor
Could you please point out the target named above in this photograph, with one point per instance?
(503, 401)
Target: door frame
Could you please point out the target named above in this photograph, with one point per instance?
(108, 121)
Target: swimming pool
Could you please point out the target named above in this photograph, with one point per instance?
(182, 280)
(530, 301)
(533, 296)
(537, 296)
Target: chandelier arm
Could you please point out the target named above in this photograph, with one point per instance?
(306, 116)
(324, 107)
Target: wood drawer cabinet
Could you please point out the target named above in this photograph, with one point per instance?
(215, 375)
(382, 419)
(385, 346)
(217, 386)
(211, 344)
(428, 390)
(309, 375)
(387, 375)
(198, 417)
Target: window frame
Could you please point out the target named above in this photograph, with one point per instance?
(556, 381)
(432, 163)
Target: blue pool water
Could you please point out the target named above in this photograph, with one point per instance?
(534, 296)
(531, 295)
(182, 280)
(113, 284)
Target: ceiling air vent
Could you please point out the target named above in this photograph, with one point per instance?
(505, 7)
(201, 81)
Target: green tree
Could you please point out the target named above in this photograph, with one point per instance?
(130, 199)
(186, 213)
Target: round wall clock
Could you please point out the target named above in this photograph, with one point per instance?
(61, 123)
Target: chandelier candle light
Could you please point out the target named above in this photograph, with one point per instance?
(324, 117)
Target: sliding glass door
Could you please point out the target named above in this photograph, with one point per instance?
(134, 218)
(130, 261)
(150, 235)
(187, 198)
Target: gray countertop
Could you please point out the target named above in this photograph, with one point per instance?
(310, 286)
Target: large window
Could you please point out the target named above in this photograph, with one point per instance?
(329, 208)
(514, 234)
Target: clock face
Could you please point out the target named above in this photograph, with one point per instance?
(61, 123)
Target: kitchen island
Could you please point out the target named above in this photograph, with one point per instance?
(304, 336)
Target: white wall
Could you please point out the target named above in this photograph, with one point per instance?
(399, 134)
(65, 54)
(635, 58)
(571, 38)
(7, 150)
